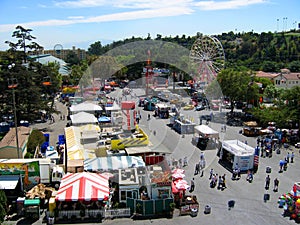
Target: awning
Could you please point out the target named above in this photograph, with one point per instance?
(206, 131)
(83, 187)
(113, 163)
(9, 182)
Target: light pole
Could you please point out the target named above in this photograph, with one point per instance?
(12, 84)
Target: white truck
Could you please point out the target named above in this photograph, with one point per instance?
(50, 173)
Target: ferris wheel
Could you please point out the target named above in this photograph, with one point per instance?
(208, 57)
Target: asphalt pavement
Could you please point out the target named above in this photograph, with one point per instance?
(250, 207)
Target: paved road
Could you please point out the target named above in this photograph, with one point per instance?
(249, 208)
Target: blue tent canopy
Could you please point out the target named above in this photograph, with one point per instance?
(104, 119)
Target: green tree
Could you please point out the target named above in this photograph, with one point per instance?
(238, 85)
(72, 59)
(96, 49)
(23, 35)
(36, 138)
(3, 206)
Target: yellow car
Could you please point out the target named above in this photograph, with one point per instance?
(188, 107)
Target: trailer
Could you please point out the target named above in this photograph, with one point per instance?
(237, 154)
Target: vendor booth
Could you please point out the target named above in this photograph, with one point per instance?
(83, 118)
(205, 137)
(184, 126)
(81, 195)
(113, 163)
(237, 154)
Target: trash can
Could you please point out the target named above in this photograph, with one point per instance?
(231, 204)
(207, 209)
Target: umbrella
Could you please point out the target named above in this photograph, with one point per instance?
(178, 175)
(181, 185)
(177, 170)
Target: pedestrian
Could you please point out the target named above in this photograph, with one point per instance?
(220, 183)
(267, 182)
(246, 142)
(202, 166)
(192, 188)
(211, 172)
(221, 155)
(185, 161)
(249, 176)
(196, 169)
(201, 156)
(180, 163)
(149, 117)
(276, 183)
(292, 157)
(224, 181)
(288, 157)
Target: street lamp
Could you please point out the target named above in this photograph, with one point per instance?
(12, 84)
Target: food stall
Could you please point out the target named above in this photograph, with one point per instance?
(251, 129)
(237, 154)
(205, 137)
(162, 110)
(189, 206)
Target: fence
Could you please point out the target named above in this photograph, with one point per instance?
(94, 213)
(112, 213)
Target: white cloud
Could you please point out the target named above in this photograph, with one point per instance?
(75, 17)
(151, 9)
(134, 15)
(133, 4)
(81, 3)
(231, 4)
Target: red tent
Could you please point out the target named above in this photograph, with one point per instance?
(83, 187)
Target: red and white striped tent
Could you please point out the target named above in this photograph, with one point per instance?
(83, 187)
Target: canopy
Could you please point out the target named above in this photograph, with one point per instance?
(85, 107)
(9, 182)
(206, 131)
(104, 119)
(113, 163)
(83, 118)
(83, 187)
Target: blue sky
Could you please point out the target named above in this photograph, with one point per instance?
(81, 23)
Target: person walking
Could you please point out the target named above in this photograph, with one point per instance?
(288, 157)
(192, 188)
(292, 157)
(276, 183)
(185, 161)
(224, 181)
(197, 169)
(267, 182)
(211, 172)
(202, 166)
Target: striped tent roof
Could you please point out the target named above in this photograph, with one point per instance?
(113, 163)
(83, 187)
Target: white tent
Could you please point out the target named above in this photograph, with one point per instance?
(206, 131)
(85, 107)
(83, 118)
